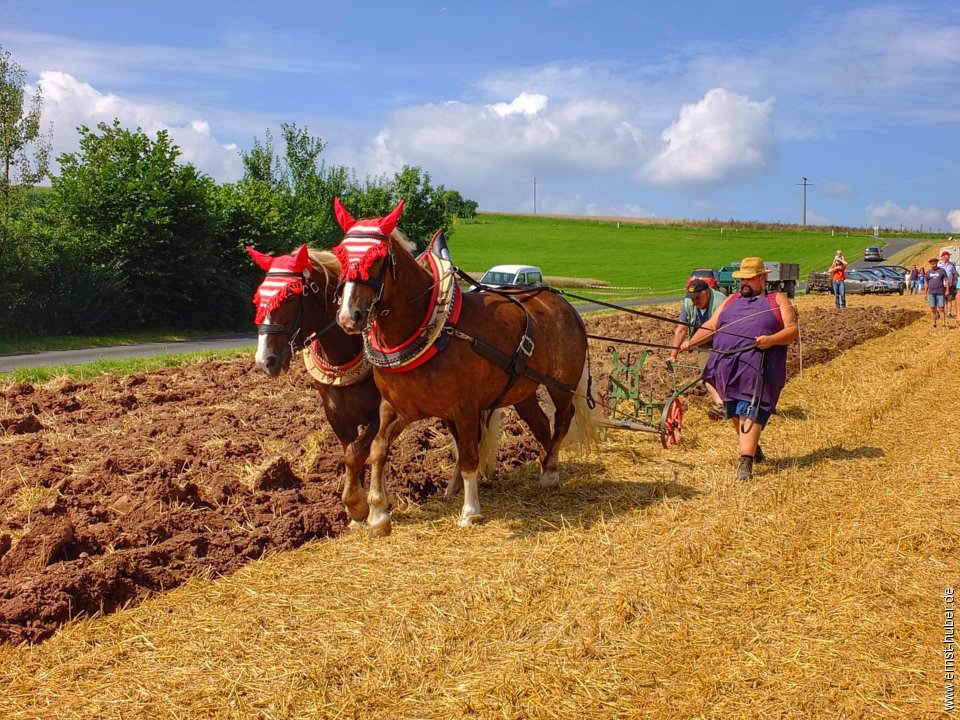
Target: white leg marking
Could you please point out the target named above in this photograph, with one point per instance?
(470, 514)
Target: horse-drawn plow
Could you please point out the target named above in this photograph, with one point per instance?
(630, 406)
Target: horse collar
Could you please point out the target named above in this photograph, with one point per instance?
(429, 338)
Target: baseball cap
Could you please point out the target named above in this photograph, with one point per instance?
(696, 287)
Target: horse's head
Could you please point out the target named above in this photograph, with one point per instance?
(291, 305)
(365, 254)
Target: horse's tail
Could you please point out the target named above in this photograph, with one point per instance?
(584, 432)
(490, 441)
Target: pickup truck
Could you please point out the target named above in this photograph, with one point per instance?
(781, 277)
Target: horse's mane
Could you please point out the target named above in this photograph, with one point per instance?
(325, 262)
(406, 243)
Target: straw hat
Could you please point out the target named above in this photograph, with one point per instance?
(750, 267)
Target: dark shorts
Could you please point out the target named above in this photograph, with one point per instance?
(952, 294)
(738, 408)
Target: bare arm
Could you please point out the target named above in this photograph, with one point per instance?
(705, 331)
(791, 328)
(678, 335)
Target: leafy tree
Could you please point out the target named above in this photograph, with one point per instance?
(150, 228)
(24, 149)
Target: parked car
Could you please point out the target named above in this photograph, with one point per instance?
(873, 252)
(898, 268)
(710, 277)
(500, 275)
(888, 271)
(866, 282)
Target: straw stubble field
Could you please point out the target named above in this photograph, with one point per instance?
(650, 584)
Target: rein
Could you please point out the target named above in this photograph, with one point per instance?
(641, 313)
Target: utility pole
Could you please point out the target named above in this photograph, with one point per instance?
(534, 194)
(805, 185)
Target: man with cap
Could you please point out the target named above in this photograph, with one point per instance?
(699, 304)
(937, 284)
(950, 296)
(748, 364)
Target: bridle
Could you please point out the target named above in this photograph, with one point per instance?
(375, 283)
(310, 290)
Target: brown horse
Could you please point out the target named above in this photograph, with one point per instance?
(296, 309)
(491, 350)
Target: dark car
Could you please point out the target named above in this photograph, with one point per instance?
(865, 282)
(888, 271)
(873, 252)
(708, 276)
(898, 268)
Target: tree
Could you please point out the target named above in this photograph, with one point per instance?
(24, 149)
(150, 226)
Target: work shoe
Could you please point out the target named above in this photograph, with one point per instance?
(745, 470)
(759, 456)
(716, 412)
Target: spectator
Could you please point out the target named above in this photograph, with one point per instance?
(748, 363)
(912, 280)
(936, 281)
(839, 274)
(699, 305)
(950, 295)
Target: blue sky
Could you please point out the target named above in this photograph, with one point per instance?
(675, 110)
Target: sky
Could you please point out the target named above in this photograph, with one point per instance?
(713, 111)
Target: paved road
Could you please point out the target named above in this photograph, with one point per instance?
(76, 357)
(122, 352)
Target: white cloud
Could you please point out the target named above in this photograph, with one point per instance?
(502, 146)
(891, 215)
(524, 104)
(69, 103)
(953, 218)
(726, 137)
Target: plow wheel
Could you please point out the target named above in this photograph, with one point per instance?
(671, 423)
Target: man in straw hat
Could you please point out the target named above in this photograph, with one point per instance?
(748, 362)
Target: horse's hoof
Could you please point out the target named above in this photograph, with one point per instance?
(550, 479)
(469, 521)
(379, 531)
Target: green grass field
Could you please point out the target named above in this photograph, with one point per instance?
(633, 255)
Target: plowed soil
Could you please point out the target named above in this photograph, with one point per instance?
(118, 488)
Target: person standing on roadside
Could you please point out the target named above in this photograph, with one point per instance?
(950, 295)
(936, 282)
(839, 273)
(912, 280)
(748, 362)
(699, 305)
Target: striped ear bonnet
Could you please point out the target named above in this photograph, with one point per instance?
(285, 275)
(365, 242)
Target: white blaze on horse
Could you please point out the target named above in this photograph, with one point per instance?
(439, 352)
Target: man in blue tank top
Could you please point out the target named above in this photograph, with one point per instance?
(748, 362)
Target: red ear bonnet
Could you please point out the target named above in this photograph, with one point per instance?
(365, 242)
(285, 275)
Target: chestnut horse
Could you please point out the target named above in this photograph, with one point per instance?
(296, 310)
(494, 350)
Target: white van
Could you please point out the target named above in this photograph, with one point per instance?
(513, 275)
